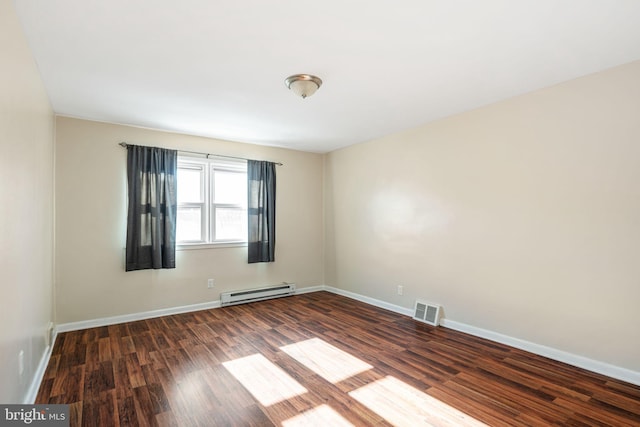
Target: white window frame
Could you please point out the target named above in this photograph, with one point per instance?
(208, 166)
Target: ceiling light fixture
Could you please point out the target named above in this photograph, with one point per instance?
(303, 85)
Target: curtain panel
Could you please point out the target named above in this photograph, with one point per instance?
(261, 179)
(151, 219)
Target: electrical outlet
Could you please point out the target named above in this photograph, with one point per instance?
(21, 362)
(210, 283)
(49, 336)
(400, 289)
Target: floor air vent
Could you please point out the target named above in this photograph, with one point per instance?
(258, 294)
(427, 313)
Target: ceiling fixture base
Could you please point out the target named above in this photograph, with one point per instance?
(303, 85)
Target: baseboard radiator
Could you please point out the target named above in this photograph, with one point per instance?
(257, 294)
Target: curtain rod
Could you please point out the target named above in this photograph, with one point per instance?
(125, 145)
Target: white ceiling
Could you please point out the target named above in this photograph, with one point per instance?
(217, 68)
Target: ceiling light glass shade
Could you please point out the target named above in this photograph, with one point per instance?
(303, 85)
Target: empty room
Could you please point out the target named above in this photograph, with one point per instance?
(287, 213)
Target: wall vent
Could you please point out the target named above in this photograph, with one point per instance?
(427, 312)
(258, 294)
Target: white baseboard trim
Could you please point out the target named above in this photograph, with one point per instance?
(309, 289)
(38, 375)
(114, 320)
(596, 366)
(603, 368)
(32, 392)
(371, 301)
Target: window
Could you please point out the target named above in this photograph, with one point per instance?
(212, 201)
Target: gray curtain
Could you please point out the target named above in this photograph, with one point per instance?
(151, 220)
(261, 179)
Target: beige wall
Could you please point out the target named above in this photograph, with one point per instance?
(91, 226)
(522, 217)
(26, 210)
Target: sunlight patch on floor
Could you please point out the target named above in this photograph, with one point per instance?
(266, 381)
(403, 405)
(321, 415)
(331, 363)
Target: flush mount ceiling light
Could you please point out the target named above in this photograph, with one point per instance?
(303, 85)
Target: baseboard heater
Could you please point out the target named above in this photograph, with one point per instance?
(257, 294)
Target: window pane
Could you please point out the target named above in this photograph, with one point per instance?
(230, 187)
(231, 224)
(190, 185)
(189, 224)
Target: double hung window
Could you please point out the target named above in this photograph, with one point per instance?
(212, 201)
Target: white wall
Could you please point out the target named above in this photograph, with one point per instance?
(26, 210)
(522, 217)
(91, 226)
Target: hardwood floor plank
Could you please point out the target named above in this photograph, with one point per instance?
(69, 384)
(75, 414)
(75, 356)
(98, 379)
(92, 352)
(167, 419)
(52, 367)
(624, 389)
(587, 410)
(520, 399)
(204, 333)
(476, 405)
(144, 407)
(45, 389)
(100, 411)
(127, 411)
(170, 371)
(134, 370)
(158, 398)
(126, 345)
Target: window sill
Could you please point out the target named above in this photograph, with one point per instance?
(196, 246)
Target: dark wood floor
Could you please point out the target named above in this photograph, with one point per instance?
(317, 359)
